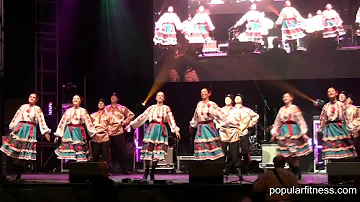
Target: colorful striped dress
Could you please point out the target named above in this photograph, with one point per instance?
(290, 19)
(165, 29)
(253, 27)
(155, 142)
(198, 29)
(71, 130)
(207, 139)
(21, 143)
(336, 130)
(289, 128)
(332, 24)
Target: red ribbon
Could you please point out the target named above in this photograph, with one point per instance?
(83, 134)
(288, 124)
(31, 128)
(205, 122)
(162, 127)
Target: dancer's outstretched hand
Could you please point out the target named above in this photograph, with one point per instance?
(272, 139)
(177, 133)
(191, 130)
(47, 136)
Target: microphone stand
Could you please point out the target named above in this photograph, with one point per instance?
(266, 108)
(230, 30)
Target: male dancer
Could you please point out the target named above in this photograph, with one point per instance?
(101, 142)
(230, 136)
(244, 138)
(353, 115)
(122, 117)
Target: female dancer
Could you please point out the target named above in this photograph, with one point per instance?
(21, 144)
(332, 23)
(290, 130)
(289, 19)
(155, 140)
(207, 138)
(253, 28)
(199, 28)
(336, 129)
(165, 32)
(72, 133)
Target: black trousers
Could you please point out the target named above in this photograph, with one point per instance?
(244, 145)
(118, 146)
(231, 155)
(101, 149)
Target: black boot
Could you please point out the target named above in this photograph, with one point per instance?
(239, 174)
(299, 176)
(226, 174)
(152, 173)
(146, 174)
(19, 171)
(296, 172)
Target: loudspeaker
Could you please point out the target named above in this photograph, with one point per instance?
(205, 172)
(340, 172)
(237, 47)
(85, 172)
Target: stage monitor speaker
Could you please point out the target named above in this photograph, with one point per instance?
(204, 172)
(268, 153)
(238, 48)
(85, 172)
(340, 172)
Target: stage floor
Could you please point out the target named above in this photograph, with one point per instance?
(308, 179)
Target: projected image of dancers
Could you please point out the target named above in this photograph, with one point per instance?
(165, 28)
(213, 28)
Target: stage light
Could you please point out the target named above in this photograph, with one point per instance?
(319, 103)
(143, 104)
(50, 109)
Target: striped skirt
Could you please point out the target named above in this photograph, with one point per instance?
(337, 143)
(21, 143)
(73, 144)
(207, 142)
(155, 142)
(290, 142)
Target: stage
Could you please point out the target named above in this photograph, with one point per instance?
(175, 187)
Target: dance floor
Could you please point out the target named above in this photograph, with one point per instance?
(315, 179)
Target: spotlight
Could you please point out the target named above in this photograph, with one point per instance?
(319, 103)
(143, 104)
